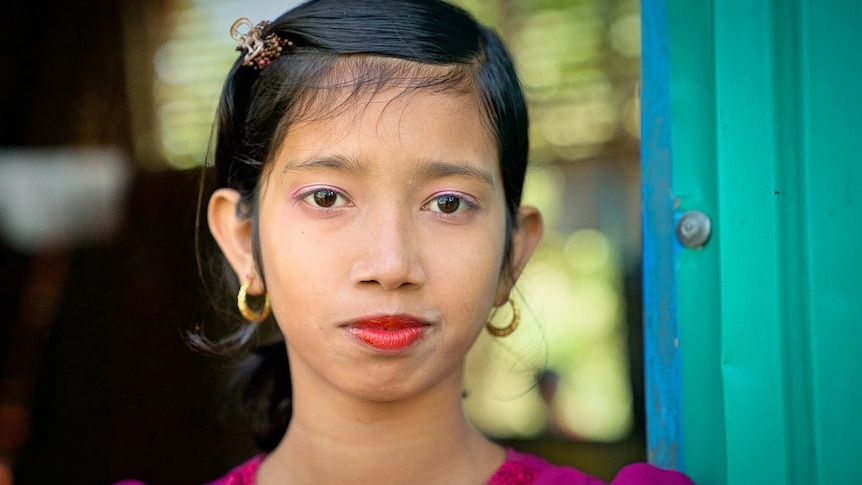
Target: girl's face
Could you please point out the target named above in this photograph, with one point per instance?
(382, 231)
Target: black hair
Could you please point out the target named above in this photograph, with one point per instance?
(363, 46)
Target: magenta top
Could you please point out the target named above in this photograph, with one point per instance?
(518, 469)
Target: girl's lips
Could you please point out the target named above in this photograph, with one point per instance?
(388, 332)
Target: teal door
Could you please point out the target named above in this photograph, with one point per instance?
(752, 115)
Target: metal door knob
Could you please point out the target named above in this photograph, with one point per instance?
(693, 229)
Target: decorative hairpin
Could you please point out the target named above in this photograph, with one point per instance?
(259, 53)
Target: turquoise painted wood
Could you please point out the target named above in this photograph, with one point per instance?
(765, 118)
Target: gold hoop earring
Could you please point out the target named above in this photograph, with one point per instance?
(502, 332)
(246, 312)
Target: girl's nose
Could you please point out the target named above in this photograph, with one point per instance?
(389, 254)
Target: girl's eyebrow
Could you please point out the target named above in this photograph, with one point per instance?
(426, 171)
(440, 169)
(336, 162)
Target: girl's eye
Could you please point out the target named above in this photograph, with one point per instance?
(448, 204)
(325, 198)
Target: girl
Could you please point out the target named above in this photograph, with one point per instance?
(369, 162)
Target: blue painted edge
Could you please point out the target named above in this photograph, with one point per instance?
(663, 379)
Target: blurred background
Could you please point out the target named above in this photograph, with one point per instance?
(106, 108)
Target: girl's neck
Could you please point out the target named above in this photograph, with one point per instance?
(426, 439)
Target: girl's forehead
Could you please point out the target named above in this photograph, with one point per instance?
(393, 126)
(396, 113)
(389, 108)
(349, 106)
(342, 91)
(346, 82)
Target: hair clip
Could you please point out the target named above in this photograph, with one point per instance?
(259, 53)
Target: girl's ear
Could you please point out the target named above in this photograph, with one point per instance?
(233, 235)
(525, 238)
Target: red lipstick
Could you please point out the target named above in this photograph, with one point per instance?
(388, 332)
